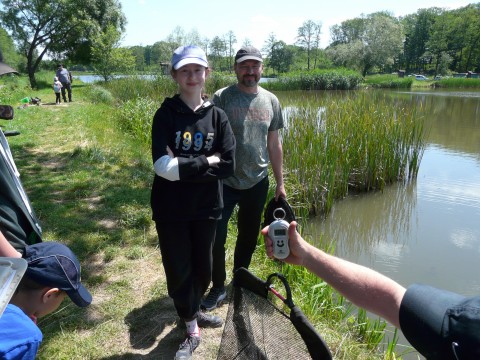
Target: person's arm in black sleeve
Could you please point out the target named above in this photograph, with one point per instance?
(225, 149)
(165, 164)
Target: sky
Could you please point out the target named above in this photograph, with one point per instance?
(149, 21)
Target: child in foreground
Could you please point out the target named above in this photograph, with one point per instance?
(53, 272)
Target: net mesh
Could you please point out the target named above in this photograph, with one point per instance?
(257, 329)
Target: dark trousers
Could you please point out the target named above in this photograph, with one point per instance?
(57, 98)
(68, 88)
(186, 248)
(251, 203)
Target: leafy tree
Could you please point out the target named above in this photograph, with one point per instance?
(372, 43)
(139, 53)
(147, 55)
(309, 38)
(56, 26)
(9, 54)
(457, 33)
(247, 42)
(418, 29)
(161, 53)
(347, 32)
(267, 49)
(281, 57)
(205, 45)
(217, 51)
(231, 40)
(175, 38)
(107, 55)
(472, 37)
(269, 44)
(192, 38)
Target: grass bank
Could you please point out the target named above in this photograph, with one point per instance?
(388, 81)
(89, 181)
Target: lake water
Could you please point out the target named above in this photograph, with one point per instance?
(92, 78)
(427, 231)
(88, 79)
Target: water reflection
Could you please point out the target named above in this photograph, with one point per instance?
(389, 215)
(454, 120)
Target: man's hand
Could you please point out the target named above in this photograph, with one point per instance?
(170, 153)
(280, 192)
(299, 248)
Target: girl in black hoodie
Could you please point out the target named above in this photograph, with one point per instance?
(193, 149)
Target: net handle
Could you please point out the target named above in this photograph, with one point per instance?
(288, 300)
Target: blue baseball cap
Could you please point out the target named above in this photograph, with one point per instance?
(189, 54)
(54, 264)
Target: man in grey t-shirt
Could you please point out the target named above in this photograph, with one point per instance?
(65, 78)
(255, 117)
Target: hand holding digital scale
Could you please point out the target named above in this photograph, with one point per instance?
(278, 232)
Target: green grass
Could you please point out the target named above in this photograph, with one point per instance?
(458, 83)
(388, 81)
(89, 181)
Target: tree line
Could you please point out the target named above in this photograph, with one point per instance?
(87, 34)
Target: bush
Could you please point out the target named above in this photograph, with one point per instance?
(340, 79)
(135, 117)
(97, 94)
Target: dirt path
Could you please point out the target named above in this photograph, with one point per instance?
(152, 329)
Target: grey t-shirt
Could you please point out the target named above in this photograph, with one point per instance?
(251, 117)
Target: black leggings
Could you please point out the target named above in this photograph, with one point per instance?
(186, 248)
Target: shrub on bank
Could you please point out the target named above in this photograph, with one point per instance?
(338, 79)
(389, 81)
(458, 83)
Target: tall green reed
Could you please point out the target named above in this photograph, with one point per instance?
(458, 83)
(389, 81)
(356, 143)
(337, 79)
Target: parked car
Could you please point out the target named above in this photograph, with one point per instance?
(421, 77)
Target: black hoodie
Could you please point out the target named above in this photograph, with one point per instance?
(192, 136)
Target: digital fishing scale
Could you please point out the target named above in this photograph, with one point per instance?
(278, 232)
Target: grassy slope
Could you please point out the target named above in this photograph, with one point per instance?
(90, 187)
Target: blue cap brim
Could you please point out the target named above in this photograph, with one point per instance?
(81, 297)
(187, 61)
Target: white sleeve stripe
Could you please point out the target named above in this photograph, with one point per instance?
(167, 168)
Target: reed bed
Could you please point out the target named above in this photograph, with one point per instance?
(337, 79)
(357, 143)
(458, 83)
(388, 81)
